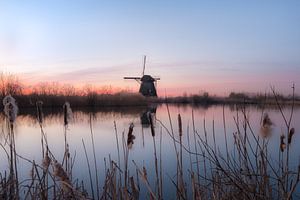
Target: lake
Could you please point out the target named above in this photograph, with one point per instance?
(108, 123)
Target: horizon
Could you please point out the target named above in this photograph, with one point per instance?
(9, 80)
(194, 47)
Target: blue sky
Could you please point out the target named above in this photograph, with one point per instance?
(215, 46)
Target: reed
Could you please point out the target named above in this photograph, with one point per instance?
(89, 169)
(159, 194)
(245, 172)
(94, 157)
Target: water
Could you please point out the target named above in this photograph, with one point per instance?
(28, 137)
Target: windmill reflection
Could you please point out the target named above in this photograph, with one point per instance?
(145, 116)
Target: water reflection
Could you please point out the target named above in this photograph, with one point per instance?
(28, 133)
(145, 116)
(54, 115)
(29, 117)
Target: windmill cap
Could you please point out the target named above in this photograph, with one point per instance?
(147, 78)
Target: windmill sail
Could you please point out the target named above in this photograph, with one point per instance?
(128, 77)
(144, 66)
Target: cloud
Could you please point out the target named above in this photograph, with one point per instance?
(90, 74)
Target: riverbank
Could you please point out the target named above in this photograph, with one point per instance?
(135, 99)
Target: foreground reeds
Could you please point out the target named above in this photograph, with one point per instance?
(244, 171)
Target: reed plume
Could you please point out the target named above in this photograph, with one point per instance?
(67, 113)
(130, 136)
(179, 125)
(66, 184)
(291, 133)
(282, 144)
(10, 108)
(8, 99)
(11, 111)
(150, 116)
(59, 172)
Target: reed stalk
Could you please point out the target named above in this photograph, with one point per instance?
(94, 156)
(196, 149)
(118, 149)
(89, 169)
(155, 155)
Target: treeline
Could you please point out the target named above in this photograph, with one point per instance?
(204, 98)
(10, 84)
(55, 94)
(233, 98)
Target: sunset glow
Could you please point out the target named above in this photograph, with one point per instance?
(192, 46)
(149, 99)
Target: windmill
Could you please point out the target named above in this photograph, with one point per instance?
(147, 83)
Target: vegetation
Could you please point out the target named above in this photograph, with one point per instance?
(233, 98)
(55, 94)
(245, 172)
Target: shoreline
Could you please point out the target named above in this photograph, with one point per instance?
(136, 100)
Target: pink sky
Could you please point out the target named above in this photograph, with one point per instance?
(177, 78)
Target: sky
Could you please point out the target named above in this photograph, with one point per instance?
(193, 46)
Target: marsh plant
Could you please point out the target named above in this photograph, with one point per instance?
(11, 189)
(245, 170)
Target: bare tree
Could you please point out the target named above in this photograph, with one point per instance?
(10, 84)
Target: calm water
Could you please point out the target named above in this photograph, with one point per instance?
(28, 144)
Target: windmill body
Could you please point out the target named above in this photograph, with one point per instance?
(147, 87)
(147, 83)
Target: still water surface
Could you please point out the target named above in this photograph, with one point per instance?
(28, 144)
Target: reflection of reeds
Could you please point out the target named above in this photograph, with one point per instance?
(291, 133)
(266, 129)
(39, 109)
(67, 113)
(130, 136)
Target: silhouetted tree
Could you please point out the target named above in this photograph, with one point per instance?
(10, 84)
